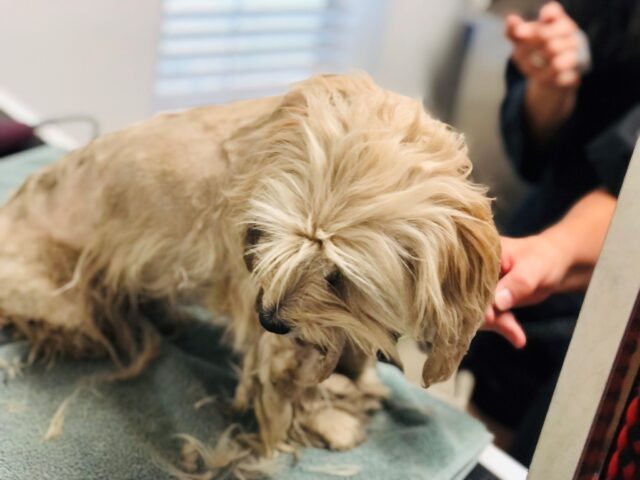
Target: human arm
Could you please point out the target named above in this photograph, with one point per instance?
(543, 76)
(550, 52)
(559, 259)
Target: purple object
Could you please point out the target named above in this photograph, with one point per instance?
(13, 135)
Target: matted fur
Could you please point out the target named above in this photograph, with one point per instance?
(336, 177)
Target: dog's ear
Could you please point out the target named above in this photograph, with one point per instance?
(468, 269)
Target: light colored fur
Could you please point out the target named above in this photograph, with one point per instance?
(337, 174)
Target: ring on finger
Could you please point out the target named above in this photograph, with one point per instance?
(537, 60)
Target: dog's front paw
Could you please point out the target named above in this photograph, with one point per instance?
(337, 428)
(370, 384)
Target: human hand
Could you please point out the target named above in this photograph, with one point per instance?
(532, 268)
(547, 50)
(560, 259)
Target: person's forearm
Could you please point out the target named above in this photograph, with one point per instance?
(547, 108)
(576, 280)
(580, 235)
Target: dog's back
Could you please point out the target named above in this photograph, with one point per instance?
(127, 206)
(157, 162)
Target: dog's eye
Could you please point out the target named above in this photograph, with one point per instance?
(335, 282)
(251, 239)
(252, 236)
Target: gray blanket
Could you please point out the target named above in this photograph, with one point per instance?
(127, 430)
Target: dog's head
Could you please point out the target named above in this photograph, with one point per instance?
(358, 221)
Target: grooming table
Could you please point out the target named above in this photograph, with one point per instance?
(127, 430)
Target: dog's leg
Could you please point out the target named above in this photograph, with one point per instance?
(372, 388)
(360, 369)
(339, 413)
(345, 400)
(34, 302)
(279, 376)
(286, 384)
(339, 430)
(341, 407)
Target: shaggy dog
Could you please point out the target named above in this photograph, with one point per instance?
(339, 217)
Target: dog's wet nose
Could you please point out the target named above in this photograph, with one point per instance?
(271, 323)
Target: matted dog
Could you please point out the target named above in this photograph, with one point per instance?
(339, 217)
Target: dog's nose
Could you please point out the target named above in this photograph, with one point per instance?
(271, 323)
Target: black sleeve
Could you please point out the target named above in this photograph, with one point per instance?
(610, 152)
(529, 161)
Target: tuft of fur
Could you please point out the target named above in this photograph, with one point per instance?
(344, 208)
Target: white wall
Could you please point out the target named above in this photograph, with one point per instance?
(417, 34)
(410, 42)
(481, 90)
(95, 57)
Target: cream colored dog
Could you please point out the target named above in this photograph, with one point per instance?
(339, 217)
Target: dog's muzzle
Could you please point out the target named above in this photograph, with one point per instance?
(271, 323)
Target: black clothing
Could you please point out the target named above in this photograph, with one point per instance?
(592, 149)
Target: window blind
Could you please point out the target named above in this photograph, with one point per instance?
(214, 51)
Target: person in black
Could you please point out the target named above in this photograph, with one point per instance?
(570, 120)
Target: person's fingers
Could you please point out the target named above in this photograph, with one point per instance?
(528, 32)
(503, 298)
(506, 263)
(558, 29)
(556, 46)
(520, 290)
(489, 315)
(520, 31)
(521, 56)
(568, 79)
(511, 22)
(505, 324)
(513, 27)
(564, 62)
(562, 72)
(514, 288)
(559, 70)
(509, 328)
(551, 11)
(506, 257)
